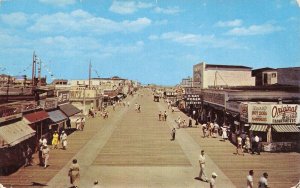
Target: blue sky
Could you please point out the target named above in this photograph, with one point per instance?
(153, 41)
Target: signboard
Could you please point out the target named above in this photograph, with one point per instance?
(285, 113)
(274, 113)
(244, 111)
(48, 104)
(63, 97)
(9, 113)
(28, 106)
(214, 98)
(192, 99)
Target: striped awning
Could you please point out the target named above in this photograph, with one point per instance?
(286, 128)
(259, 128)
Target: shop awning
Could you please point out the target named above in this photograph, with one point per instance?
(36, 116)
(69, 109)
(15, 133)
(259, 128)
(57, 116)
(286, 128)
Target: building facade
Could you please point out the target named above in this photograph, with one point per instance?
(221, 76)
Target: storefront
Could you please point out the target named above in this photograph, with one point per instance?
(275, 124)
(14, 136)
(37, 120)
(69, 110)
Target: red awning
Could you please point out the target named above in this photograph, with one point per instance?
(36, 116)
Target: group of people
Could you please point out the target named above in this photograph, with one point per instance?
(162, 116)
(44, 149)
(211, 130)
(262, 183)
(80, 123)
(137, 107)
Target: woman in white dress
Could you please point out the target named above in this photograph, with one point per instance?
(224, 133)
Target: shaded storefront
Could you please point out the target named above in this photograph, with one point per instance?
(69, 110)
(14, 136)
(275, 124)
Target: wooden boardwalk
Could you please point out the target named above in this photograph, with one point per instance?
(138, 153)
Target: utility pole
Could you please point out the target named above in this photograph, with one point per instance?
(33, 69)
(7, 90)
(39, 72)
(90, 68)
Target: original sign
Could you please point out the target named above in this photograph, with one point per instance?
(28, 106)
(285, 113)
(244, 111)
(274, 113)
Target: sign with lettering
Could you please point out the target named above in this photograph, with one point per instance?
(192, 99)
(233, 106)
(63, 97)
(244, 111)
(28, 106)
(48, 104)
(274, 113)
(10, 112)
(214, 98)
(285, 113)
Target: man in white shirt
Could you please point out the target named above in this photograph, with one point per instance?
(250, 179)
(202, 167)
(263, 181)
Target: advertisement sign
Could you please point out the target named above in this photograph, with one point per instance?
(244, 111)
(285, 113)
(233, 106)
(28, 106)
(274, 113)
(9, 113)
(192, 99)
(63, 97)
(259, 113)
(214, 98)
(48, 104)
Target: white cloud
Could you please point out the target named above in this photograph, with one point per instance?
(254, 30)
(128, 7)
(81, 21)
(188, 39)
(14, 19)
(168, 10)
(231, 23)
(59, 3)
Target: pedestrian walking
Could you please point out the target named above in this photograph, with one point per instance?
(128, 103)
(159, 116)
(202, 167)
(173, 109)
(250, 179)
(63, 140)
(114, 107)
(173, 132)
(77, 123)
(45, 155)
(255, 145)
(82, 123)
(212, 181)
(55, 140)
(139, 108)
(28, 156)
(239, 146)
(190, 122)
(224, 133)
(165, 116)
(74, 173)
(247, 144)
(204, 130)
(263, 181)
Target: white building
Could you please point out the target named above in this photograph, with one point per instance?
(221, 76)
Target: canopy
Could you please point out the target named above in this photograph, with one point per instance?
(69, 109)
(36, 116)
(57, 116)
(259, 128)
(15, 133)
(286, 128)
